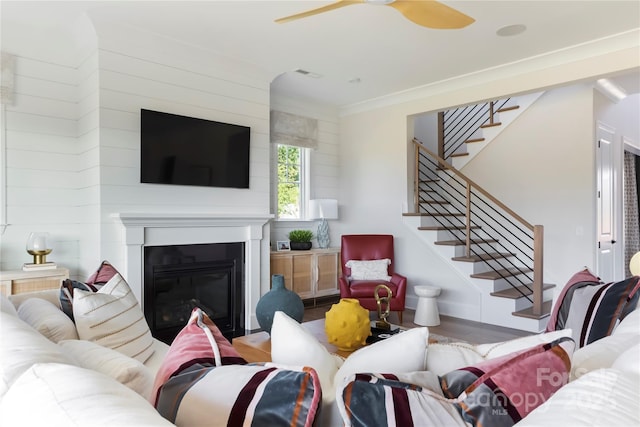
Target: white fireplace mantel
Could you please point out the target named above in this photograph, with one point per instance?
(163, 229)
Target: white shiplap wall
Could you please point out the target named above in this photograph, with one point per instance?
(324, 172)
(72, 156)
(41, 161)
(163, 75)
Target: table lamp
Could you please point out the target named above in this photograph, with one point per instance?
(39, 246)
(323, 209)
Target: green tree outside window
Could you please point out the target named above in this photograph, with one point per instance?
(289, 181)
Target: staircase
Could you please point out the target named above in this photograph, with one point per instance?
(496, 250)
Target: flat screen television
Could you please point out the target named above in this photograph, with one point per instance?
(182, 150)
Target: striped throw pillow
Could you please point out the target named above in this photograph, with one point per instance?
(241, 395)
(112, 318)
(593, 309)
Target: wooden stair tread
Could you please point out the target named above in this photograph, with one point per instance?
(444, 214)
(443, 228)
(490, 125)
(512, 293)
(482, 257)
(503, 109)
(528, 312)
(461, 242)
(459, 154)
(495, 275)
(435, 202)
(472, 140)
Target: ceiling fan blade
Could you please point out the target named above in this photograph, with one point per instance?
(327, 8)
(432, 14)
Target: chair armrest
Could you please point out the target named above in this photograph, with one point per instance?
(401, 282)
(345, 290)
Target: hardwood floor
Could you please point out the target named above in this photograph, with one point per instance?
(454, 328)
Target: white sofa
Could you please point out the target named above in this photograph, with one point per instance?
(51, 384)
(68, 382)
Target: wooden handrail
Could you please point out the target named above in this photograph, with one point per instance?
(538, 230)
(443, 163)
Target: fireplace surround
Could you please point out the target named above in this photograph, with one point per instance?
(164, 229)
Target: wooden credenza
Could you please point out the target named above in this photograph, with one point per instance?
(310, 274)
(19, 281)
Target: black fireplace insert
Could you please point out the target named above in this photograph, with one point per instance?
(178, 278)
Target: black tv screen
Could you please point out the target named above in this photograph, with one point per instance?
(184, 150)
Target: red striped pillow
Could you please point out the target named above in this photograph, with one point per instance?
(193, 346)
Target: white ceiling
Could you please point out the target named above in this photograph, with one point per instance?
(372, 43)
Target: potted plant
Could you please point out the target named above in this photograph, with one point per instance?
(300, 239)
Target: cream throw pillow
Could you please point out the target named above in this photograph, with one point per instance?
(47, 319)
(376, 269)
(112, 318)
(125, 370)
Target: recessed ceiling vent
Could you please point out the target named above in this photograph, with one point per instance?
(307, 73)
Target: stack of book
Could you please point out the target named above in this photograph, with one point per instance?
(35, 267)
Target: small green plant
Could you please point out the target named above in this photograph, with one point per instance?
(298, 236)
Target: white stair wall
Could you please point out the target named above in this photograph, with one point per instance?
(493, 310)
(490, 133)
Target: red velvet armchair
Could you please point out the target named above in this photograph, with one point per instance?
(364, 247)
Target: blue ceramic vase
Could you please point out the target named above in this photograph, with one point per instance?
(278, 298)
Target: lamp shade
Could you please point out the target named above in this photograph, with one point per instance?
(323, 208)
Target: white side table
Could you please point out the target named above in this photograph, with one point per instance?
(427, 310)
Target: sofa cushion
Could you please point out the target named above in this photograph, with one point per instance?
(237, 395)
(199, 342)
(22, 346)
(47, 319)
(502, 391)
(376, 269)
(96, 280)
(445, 357)
(57, 395)
(124, 369)
(112, 317)
(601, 354)
(605, 397)
(628, 362)
(593, 309)
(7, 306)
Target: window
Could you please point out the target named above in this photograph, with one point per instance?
(291, 172)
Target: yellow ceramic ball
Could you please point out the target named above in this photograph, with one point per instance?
(347, 325)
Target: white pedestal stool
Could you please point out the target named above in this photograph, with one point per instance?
(427, 311)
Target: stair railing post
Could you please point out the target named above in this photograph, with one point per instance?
(416, 179)
(538, 245)
(441, 134)
(491, 112)
(468, 222)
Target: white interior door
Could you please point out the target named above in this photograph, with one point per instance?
(606, 185)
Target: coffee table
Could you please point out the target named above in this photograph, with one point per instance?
(257, 347)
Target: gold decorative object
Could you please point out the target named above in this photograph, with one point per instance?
(38, 246)
(347, 324)
(384, 307)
